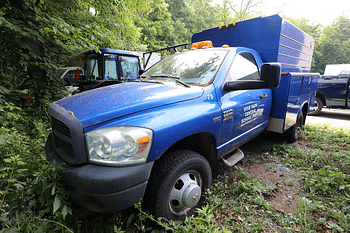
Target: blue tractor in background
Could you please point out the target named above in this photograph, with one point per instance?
(107, 66)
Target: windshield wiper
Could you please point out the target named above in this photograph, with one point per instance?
(147, 80)
(177, 79)
(139, 78)
(144, 76)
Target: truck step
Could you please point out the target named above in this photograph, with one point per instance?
(233, 158)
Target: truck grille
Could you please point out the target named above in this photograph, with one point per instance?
(65, 146)
(62, 143)
(68, 136)
(61, 127)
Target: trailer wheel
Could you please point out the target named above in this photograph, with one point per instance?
(177, 185)
(293, 133)
(318, 107)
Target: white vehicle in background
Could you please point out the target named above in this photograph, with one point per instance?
(336, 69)
(68, 74)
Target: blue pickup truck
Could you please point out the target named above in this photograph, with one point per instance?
(333, 92)
(160, 137)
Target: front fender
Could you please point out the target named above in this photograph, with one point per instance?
(174, 122)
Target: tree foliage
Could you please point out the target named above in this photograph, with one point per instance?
(192, 16)
(157, 26)
(39, 36)
(334, 44)
(245, 9)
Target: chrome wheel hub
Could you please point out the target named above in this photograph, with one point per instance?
(185, 193)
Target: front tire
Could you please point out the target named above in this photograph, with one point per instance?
(177, 185)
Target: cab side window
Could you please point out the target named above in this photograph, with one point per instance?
(243, 67)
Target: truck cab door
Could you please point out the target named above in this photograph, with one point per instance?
(245, 113)
(335, 91)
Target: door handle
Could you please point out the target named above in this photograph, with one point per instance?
(264, 96)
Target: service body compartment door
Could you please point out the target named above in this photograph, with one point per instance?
(302, 91)
(295, 91)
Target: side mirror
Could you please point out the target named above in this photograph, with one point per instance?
(271, 74)
(141, 71)
(243, 85)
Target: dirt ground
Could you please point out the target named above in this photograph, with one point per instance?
(283, 185)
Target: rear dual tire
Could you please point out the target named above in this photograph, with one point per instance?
(293, 134)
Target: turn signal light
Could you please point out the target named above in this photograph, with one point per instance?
(143, 143)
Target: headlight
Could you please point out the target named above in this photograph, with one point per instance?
(119, 146)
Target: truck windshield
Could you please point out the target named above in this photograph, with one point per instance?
(196, 67)
(129, 67)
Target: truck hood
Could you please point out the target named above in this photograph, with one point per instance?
(105, 103)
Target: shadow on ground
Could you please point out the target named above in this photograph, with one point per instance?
(335, 114)
(266, 139)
